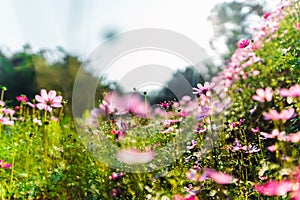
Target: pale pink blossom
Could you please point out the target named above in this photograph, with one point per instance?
(131, 103)
(203, 89)
(275, 133)
(47, 101)
(293, 137)
(133, 156)
(8, 111)
(262, 95)
(272, 148)
(193, 175)
(293, 91)
(37, 121)
(283, 115)
(6, 120)
(256, 73)
(219, 177)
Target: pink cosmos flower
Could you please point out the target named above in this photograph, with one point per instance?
(237, 146)
(8, 111)
(283, 115)
(37, 121)
(293, 91)
(275, 188)
(31, 105)
(244, 43)
(272, 148)
(292, 137)
(4, 165)
(47, 101)
(130, 103)
(193, 145)
(203, 89)
(22, 98)
(256, 73)
(218, 177)
(133, 156)
(275, 133)
(192, 175)
(6, 120)
(262, 95)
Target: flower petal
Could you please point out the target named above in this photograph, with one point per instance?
(51, 95)
(41, 106)
(44, 94)
(40, 99)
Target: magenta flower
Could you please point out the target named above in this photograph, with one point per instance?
(190, 197)
(293, 91)
(283, 115)
(133, 156)
(115, 175)
(203, 89)
(22, 98)
(262, 95)
(4, 165)
(244, 43)
(48, 101)
(165, 105)
(266, 15)
(274, 188)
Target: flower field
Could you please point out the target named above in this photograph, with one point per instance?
(238, 137)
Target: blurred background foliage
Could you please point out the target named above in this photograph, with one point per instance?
(26, 72)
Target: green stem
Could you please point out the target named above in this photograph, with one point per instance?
(2, 95)
(46, 144)
(13, 161)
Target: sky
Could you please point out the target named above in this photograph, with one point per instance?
(79, 26)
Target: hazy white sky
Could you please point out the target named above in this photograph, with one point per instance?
(79, 25)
